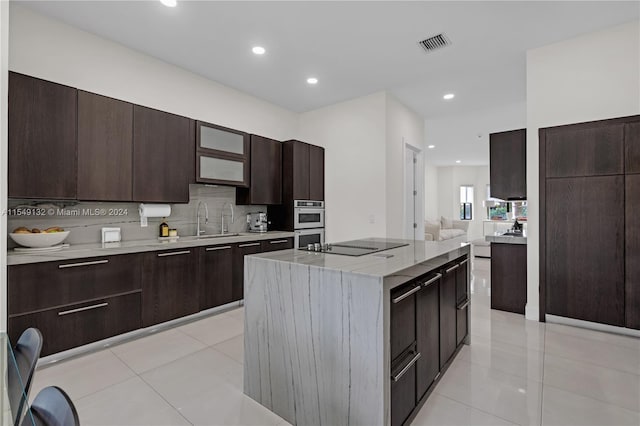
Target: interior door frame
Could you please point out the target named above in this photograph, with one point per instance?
(418, 187)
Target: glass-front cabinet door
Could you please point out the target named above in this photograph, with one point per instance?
(222, 155)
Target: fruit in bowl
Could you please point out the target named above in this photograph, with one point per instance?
(36, 238)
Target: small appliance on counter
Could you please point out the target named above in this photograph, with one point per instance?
(257, 222)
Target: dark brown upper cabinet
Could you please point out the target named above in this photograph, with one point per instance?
(632, 252)
(316, 172)
(223, 155)
(105, 148)
(42, 139)
(632, 147)
(303, 171)
(508, 164)
(589, 149)
(163, 154)
(266, 173)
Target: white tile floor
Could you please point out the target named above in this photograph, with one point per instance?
(514, 372)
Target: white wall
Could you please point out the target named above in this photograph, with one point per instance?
(456, 136)
(430, 192)
(353, 135)
(404, 126)
(4, 65)
(49, 49)
(449, 181)
(592, 77)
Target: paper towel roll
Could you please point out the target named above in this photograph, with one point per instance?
(155, 210)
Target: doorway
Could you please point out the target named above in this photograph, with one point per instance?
(413, 193)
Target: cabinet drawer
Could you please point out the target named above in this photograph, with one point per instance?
(403, 388)
(78, 324)
(403, 319)
(461, 280)
(462, 313)
(278, 244)
(40, 286)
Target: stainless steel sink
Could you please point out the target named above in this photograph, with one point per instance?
(512, 234)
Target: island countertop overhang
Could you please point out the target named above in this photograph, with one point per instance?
(407, 262)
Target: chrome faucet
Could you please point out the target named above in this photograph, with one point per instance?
(232, 218)
(206, 217)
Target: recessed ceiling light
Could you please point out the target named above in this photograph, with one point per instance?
(258, 50)
(448, 96)
(169, 3)
(458, 161)
(312, 80)
(431, 146)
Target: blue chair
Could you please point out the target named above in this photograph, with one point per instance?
(26, 353)
(52, 407)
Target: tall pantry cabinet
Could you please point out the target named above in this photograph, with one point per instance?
(590, 230)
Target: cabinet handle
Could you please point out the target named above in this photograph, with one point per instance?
(436, 278)
(464, 305)
(406, 368)
(86, 308)
(278, 241)
(174, 253)
(73, 265)
(464, 261)
(217, 248)
(453, 268)
(407, 294)
(249, 245)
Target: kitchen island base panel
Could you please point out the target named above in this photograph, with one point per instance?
(320, 331)
(307, 358)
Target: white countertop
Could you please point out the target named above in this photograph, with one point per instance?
(79, 251)
(426, 254)
(507, 239)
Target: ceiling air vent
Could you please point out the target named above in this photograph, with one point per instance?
(434, 43)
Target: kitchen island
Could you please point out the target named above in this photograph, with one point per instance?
(335, 340)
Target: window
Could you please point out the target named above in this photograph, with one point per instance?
(466, 202)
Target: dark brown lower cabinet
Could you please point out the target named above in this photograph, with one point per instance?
(426, 328)
(448, 314)
(71, 281)
(632, 251)
(509, 277)
(403, 388)
(403, 318)
(239, 252)
(275, 245)
(428, 335)
(170, 288)
(585, 257)
(216, 276)
(73, 325)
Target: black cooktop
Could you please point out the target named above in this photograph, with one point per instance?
(360, 247)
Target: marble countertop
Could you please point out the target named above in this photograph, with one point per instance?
(79, 251)
(411, 260)
(507, 239)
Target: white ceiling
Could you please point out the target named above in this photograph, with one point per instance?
(353, 48)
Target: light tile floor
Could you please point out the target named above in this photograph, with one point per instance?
(514, 372)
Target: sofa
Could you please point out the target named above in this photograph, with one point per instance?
(445, 229)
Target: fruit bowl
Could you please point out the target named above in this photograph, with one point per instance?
(43, 239)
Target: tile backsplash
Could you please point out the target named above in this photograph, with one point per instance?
(85, 219)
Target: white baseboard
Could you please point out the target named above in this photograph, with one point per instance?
(592, 325)
(532, 312)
